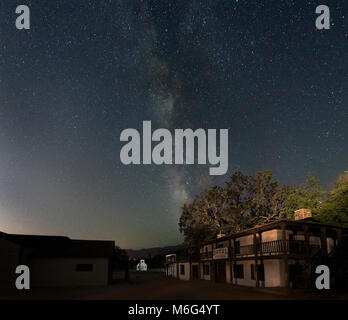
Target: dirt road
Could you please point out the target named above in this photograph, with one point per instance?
(155, 286)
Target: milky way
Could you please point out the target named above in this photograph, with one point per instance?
(87, 70)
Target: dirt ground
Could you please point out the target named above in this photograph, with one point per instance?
(155, 286)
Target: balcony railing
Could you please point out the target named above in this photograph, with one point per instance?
(275, 246)
(296, 247)
(292, 247)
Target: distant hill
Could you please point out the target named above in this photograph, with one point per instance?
(145, 253)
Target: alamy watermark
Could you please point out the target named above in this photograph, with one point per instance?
(23, 280)
(322, 20)
(170, 150)
(323, 280)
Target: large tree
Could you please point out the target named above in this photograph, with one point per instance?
(335, 209)
(308, 195)
(242, 203)
(268, 200)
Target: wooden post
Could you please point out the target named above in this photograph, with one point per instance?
(256, 263)
(261, 255)
(230, 259)
(213, 276)
(323, 243)
(212, 271)
(234, 261)
(285, 258)
(189, 260)
(307, 270)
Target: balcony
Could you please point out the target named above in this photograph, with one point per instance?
(275, 247)
(292, 247)
(221, 253)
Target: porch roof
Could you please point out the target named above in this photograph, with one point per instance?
(275, 225)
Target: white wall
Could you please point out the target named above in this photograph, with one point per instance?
(274, 272)
(62, 272)
(245, 240)
(186, 276)
(246, 281)
(275, 234)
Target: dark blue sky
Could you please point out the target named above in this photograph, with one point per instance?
(86, 70)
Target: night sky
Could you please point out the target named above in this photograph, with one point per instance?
(86, 70)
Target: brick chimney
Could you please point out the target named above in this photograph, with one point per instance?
(302, 214)
(221, 235)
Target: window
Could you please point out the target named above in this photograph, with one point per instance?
(206, 270)
(260, 270)
(252, 272)
(239, 271)
(182, 269)
(220, 245)
(84, 267)
(237, 247)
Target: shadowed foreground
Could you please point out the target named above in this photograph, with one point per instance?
(155, 286)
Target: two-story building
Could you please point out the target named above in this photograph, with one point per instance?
(283, 253)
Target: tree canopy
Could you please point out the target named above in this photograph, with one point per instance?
(335, 209)
(246, 201)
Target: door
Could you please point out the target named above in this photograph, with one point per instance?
(195, 272)
(220, 271)
(297, 277)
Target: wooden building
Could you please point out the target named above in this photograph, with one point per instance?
(283, 253)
